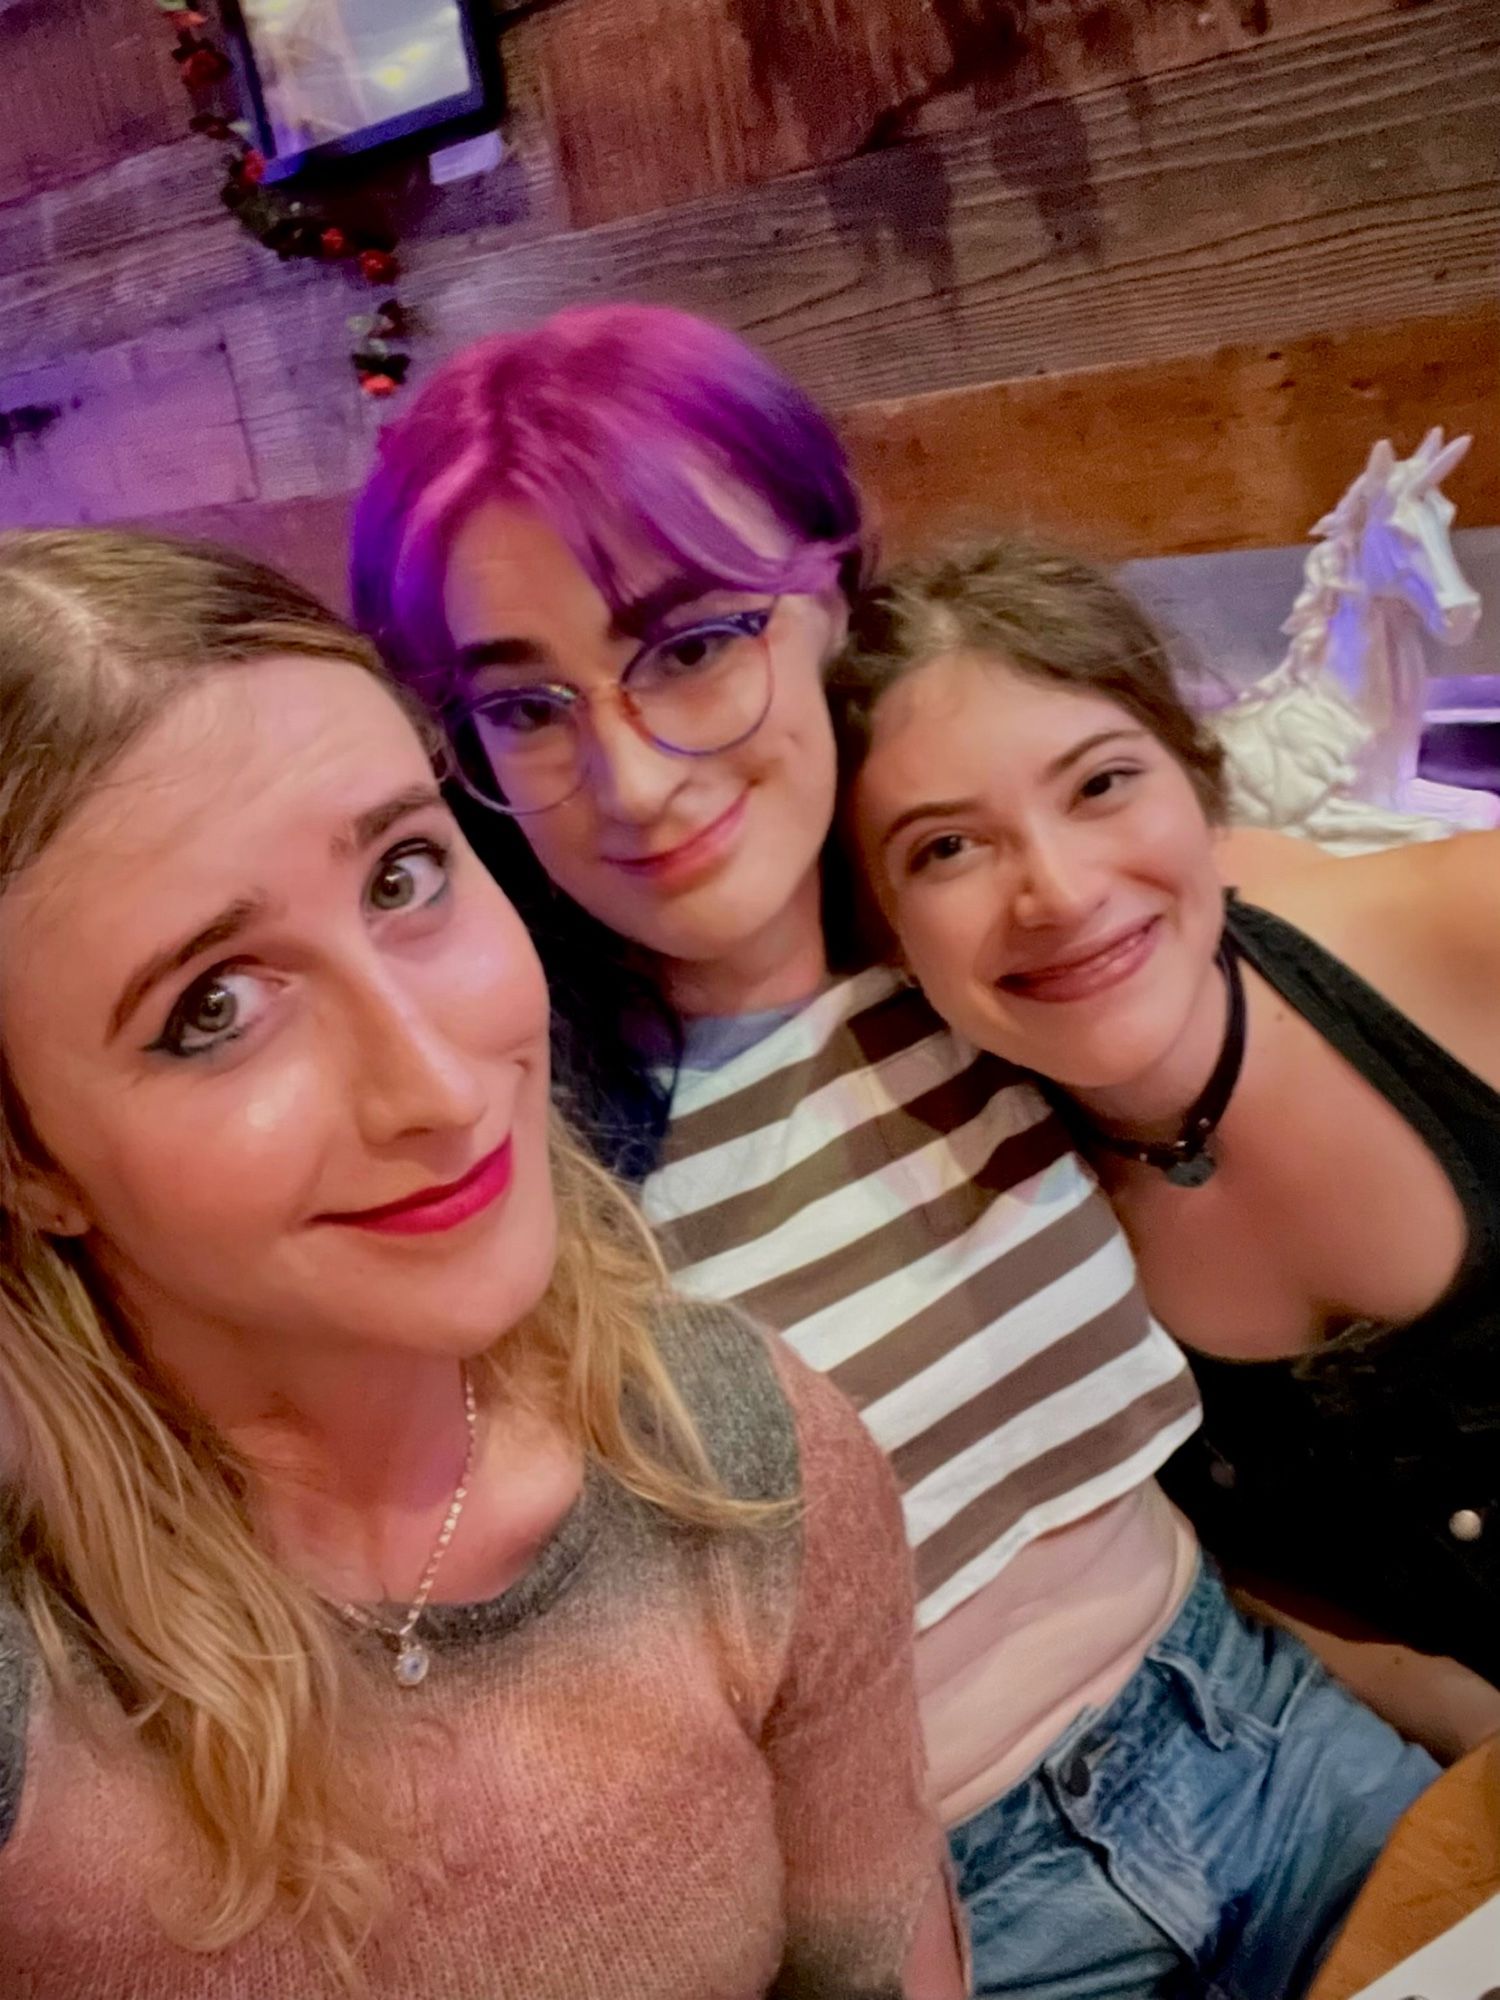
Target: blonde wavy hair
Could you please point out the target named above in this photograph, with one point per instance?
(129, 1542)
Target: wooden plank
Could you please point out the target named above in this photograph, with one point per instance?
(149, 195)
(655, 102)
(1441, 1862)
(1336, 174)
(1339, 179)
(1240, 449)
(1243, 448)
(157, 416)
(148, 242)
(86, 81)
(1280, 192)
(308, 539)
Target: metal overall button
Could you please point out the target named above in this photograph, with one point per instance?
(1076, 1777)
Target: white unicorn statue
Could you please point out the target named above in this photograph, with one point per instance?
(1325, 746)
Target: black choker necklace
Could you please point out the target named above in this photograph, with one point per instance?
(1185, 1160)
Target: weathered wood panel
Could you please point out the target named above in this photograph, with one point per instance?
(147, 243)
(1240, 449)
(157, 415)
(659, 101)
(1243, 448)
(308, 539)
(85, 81)
(1339, 179)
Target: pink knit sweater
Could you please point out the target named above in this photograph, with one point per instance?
(665, 1765)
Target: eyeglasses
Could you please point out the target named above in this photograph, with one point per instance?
(694, 692)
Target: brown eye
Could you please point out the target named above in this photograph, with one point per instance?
(213, 1010)
(942, 847)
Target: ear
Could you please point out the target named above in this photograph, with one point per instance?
(1446, 459)
(46, 1204)
(1381, 460)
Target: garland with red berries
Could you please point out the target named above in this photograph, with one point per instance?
(293, 226)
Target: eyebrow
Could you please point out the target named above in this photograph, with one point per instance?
(367, 827)
(633, 619)
(219, 931)
(232, 921)
(949, 808)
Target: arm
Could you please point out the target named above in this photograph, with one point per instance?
(1434, 1701)
(1422, 925)
(867, 1901)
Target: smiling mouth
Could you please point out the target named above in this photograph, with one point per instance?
(436, 1208)
(1087, 973)
(699, 850)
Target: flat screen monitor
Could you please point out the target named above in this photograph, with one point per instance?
(329, 80)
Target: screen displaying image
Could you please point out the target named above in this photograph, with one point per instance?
(330, 68)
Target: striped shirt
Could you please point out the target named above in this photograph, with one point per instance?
(909, 1214)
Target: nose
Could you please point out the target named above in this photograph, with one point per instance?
(631, 779)
(410, 1077)
(1057, 886)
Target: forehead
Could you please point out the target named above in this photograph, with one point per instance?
(247, 767)
(510, 572)
(966, 712)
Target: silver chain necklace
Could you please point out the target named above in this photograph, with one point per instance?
(412, 1657)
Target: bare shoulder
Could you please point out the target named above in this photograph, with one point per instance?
(1253, 860)
(1421, 923)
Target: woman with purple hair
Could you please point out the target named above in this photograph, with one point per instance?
(614, 555)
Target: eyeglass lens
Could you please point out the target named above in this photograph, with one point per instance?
(694, 692)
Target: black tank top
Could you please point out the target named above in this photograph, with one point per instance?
(1368, 1471)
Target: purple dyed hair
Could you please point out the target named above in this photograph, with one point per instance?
(613, 424)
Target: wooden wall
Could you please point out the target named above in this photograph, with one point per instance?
(1151, 273)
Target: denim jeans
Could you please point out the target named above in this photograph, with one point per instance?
(1200, 1838)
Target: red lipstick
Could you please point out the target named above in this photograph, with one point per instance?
(436, 1208)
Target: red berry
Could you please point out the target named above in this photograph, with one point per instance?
(334, 244)
(378, 267)
(253, 167)
(203, 67)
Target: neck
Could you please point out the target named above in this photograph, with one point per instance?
(783, 962)
(1153, 1105)
(353, 1454)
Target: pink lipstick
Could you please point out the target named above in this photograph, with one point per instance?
(691, 859)
(1086, 973)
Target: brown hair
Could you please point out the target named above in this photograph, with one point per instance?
(1048, 614)
(125, 1523)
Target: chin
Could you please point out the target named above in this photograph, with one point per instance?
(1111, 1060)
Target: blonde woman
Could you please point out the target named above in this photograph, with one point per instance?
(404, 1593)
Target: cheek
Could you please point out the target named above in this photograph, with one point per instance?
(487, 988)
(942, 934)
(793, 758)
(1171, 841)
(207, 1159)
(566, 840)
